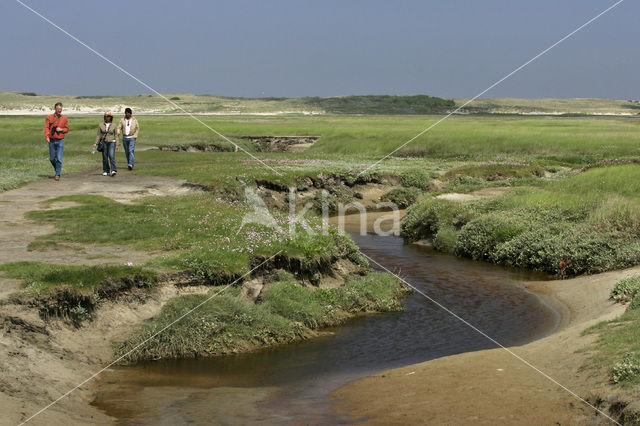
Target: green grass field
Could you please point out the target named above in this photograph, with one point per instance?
(346, 143)
(574, 194)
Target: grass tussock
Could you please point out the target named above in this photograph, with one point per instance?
(287, 312)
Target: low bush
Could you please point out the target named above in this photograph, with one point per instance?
(626, 370)
(579, 225)
(401, 197)
(626, 289)
(445, 240)
(480, 237)
(417, 178)
(428, 215)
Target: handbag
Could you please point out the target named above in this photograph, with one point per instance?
(100, 145)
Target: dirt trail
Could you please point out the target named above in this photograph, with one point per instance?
(492, 386)
(41, 361)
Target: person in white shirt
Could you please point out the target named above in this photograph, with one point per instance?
(128, 127)
(108, 134)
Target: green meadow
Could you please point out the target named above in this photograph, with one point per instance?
(572, 198)
(346, 142)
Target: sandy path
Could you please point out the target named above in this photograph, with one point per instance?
(492, 386)
(40, 361)
(16, 232)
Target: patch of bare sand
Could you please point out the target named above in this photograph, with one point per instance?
(475, 195)
(492, 386)
(42, 361)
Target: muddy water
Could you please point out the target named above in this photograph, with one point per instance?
(290, 384)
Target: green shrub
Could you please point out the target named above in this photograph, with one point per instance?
(479, 238)
(402, 197)
(626, 289)
(626, 370)
(416, 178)
(634, 306)
(587, 251)
(445, 240)
(428, 215)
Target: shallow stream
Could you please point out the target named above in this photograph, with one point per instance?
(290, 384)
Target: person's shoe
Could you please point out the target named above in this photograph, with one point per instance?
(130, 167)
(105, 174)
(113, 173)
(57, 178)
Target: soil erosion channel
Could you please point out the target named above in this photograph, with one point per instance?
(290, 384)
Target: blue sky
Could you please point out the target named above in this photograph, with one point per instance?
(446, 48)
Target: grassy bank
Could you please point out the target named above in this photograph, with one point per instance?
(39, 278)
(586, 223)
(617, 349)
(202, 233)
(286, 312)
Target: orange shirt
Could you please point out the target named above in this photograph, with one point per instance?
(54, 121)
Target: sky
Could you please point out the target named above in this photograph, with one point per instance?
(246, 48)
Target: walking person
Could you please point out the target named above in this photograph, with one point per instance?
(55, 127)
(128, 127)
(108, 134)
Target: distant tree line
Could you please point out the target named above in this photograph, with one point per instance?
(381, 104)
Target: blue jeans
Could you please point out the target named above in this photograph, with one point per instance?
(56, 149)
(129, 145)
(109, 156)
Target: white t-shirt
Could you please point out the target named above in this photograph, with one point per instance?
(106, 125)
(127, 127)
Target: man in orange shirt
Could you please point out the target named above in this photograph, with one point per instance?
(55, 127)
